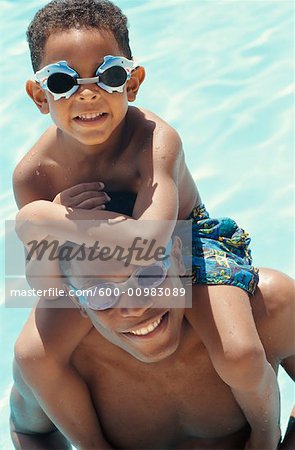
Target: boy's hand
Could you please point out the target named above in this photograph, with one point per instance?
(83, 196)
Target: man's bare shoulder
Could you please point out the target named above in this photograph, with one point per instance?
(273, 310)
(32, 175)
(51, 332)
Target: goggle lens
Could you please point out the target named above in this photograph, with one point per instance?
(59, 83)
(114, 76)
(150, 276)
(147, 277)
(99, 302)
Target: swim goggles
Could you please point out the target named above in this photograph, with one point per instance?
(105, 295)
(62, 81)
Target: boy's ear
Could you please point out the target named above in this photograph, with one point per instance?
(38, 96)
(137, 77)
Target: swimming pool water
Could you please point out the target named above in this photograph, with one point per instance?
(221, 72)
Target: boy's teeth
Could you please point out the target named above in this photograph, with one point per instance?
(148, 329)
(90, 116)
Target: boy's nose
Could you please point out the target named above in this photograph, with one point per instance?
(87, 94)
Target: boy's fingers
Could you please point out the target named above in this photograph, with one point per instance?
(98, 197)
(100, 207)
(91, 203)
(83, 187)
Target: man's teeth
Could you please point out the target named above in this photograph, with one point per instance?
(148, 329)
(90, 116)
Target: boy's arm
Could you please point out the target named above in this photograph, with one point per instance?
(156, 206)
(43, 357)
(29, 187)
(84, 195)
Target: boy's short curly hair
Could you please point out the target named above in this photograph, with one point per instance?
(60, 15)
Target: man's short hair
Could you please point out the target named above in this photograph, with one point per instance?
(61, 15)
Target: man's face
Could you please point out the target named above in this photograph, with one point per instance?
(137, 325)
(84, 51)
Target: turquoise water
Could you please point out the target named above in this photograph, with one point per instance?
(221, 73)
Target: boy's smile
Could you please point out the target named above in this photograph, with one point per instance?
(91, 115)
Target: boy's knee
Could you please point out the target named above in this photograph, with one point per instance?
(242, 366)
(277, 290)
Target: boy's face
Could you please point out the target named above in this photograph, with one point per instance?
(84, 51)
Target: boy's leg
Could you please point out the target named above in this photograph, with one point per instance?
(226, 326)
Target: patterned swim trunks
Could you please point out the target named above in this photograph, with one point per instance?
(220, 252)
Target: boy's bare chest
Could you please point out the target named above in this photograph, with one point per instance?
(154, 406)
(117, 174)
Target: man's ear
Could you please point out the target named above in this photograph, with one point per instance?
(38, 96)
(176, 253)
(137, 77)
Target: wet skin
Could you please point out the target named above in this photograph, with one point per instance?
(174, 396)
(186, 403)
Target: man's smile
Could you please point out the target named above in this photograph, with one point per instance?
(150, 329)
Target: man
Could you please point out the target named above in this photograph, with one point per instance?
(148, 373)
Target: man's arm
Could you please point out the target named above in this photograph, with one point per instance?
(288, 442)
(43, 357)
(30, 428)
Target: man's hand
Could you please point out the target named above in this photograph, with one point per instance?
(83, 196)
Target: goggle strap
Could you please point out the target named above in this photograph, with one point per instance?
(83, 311)
(87, 80)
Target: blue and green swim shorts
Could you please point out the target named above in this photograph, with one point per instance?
(220, 252)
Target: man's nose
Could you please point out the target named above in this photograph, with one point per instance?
(134, 306)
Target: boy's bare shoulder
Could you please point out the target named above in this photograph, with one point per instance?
(32, 175)
(150, 131)
(147, 121)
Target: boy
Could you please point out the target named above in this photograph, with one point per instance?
(85, 78)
